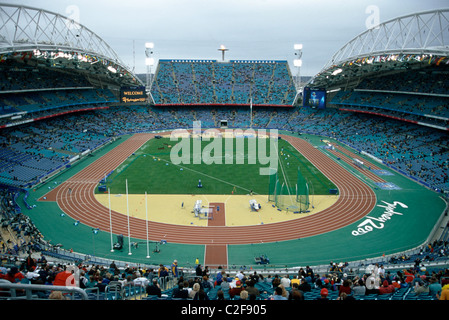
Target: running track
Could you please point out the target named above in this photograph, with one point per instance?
(355, 201)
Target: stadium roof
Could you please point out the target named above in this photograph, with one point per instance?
(401, 43)
(53, 39)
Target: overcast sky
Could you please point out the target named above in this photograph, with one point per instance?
(250, 29)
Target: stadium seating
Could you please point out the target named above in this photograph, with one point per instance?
(417, 151)
(200, 82)
(209, 91)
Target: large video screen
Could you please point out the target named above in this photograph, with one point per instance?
(133, 95)
(314, 98)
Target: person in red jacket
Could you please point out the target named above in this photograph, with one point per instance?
(13, 275)
(409, 276)
(345, 287)
(386, 288)
(64, 278)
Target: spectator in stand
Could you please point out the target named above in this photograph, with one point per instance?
(295, 280)
(250, 287)
(296, 293)
(206, 284)
(235, 291)
(324, 293)
(285, 293)
(305, 286)
(179, 292)
(285, 281)
(359, 288)
(278, 294)
(255, 277)
(345, 287)
(276, 281)
(153, 289)
(162, 272)
(221, 274)
(13, 275)
(244, 295)
(195, 289)
(101, 284)
(434, 287)
(220, 295)
(201, 295)
(174, 269)
(64, 278)
(386, 288)
(444, 293)
(57, 295)
(199, 271)
(345, 296)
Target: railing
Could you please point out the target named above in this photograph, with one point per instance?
(20, 291)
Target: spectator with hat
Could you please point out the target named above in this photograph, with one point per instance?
(235, 290)
(324, 293)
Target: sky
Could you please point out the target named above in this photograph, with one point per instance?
(250, 29)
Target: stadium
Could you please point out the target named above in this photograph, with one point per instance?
(228, 164)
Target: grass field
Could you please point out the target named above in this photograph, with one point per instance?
(151, 170)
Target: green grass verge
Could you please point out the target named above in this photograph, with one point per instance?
(150, 169)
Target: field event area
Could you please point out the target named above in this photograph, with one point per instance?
(151, 170)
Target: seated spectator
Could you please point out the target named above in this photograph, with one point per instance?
(305, 286)
(434, 287)
(386, 288)
(153, 289)
(345, 287)
(250, 287)
(179, 292)
(278, 294)
(235, 291)
(359, 288)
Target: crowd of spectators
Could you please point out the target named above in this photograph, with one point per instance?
(234, 82)
(419, 151)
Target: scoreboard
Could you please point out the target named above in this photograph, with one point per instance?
(133, 95)
(314, 97)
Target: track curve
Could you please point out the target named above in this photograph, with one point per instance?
(76, 197)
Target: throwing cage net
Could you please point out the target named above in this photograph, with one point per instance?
(289, 197)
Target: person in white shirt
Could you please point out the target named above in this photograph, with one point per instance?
(285, 281)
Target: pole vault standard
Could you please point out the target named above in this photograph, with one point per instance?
(127, 213)
(110, 220)
(146, 219)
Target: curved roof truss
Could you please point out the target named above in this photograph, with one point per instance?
(28, 29)
(420, 33)
(25, 28)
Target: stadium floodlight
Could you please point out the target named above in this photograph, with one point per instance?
(223, 50)
(112, 69)
(149, 62)
(298, 64)
(337, 71)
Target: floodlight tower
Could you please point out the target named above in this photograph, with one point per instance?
(298, 63)
(223, 50)
(149, 62)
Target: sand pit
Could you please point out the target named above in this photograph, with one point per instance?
(178, 209)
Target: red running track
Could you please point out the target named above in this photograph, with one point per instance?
(76, 198)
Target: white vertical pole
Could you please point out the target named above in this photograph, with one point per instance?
(146, 219)
(127, 211)
(251, 112)
(110, 220)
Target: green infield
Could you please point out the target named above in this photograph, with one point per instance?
(156, 168)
